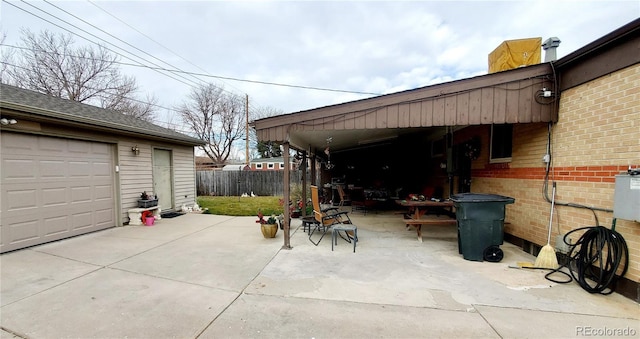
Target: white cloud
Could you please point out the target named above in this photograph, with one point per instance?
(376, 47)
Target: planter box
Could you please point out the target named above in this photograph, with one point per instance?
(147, 203)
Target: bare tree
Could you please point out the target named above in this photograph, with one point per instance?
(6, 57)
(142, 109)
(49, 63)
(217, 118)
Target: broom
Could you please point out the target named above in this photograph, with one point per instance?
(547, 256)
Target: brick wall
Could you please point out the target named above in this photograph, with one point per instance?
(597, 136)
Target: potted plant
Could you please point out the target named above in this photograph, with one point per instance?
(147, 200)
(268, 227)
(295, 209)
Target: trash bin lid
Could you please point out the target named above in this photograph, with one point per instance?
(480, 197)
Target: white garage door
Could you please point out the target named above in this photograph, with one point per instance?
(53, 188)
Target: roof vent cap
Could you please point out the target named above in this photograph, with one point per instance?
(550, 46)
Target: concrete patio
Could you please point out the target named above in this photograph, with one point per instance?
(206, 276)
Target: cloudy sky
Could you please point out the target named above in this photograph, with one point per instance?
(345, 46)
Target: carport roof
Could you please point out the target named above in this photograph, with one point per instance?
(513, 96)
(48, 108)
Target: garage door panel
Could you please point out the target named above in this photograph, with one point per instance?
(81, 220)
(18, 144)
(50, 169)
(54, 188)
(81, 148)
(101, 170)
(18, 200)
(18, 169)
(80, 169)
(103, 192)
(23, 231)
(52, 146)
(101, 149)
(55, 225)
(81, 194)
(104, 217)
(54, 197)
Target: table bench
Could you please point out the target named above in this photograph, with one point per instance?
(418, 215)
(417, 223)
(135, 214)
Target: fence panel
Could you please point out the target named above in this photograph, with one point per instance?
(234, 183)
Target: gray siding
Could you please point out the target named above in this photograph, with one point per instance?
(136, 173)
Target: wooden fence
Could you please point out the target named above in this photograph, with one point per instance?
(234, 183)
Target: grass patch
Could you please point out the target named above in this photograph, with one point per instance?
(239, 206)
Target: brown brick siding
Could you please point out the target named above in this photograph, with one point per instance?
(597, 136)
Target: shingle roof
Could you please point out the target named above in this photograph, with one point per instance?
(52, 107)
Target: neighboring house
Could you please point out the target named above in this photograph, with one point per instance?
(235, 167)
(277, 163)
(490, 134)
(70, 168)
(270, 164)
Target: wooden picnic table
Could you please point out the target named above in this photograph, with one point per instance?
(417, 215)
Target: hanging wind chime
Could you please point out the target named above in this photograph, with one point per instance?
(328, 153)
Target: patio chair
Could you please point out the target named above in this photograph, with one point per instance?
(359, 202)
(344, 198)
(325, 220)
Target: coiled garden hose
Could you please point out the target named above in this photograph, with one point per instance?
(595, 258)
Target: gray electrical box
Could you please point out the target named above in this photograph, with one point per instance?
(626, 198)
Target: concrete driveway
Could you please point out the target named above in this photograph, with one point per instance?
(205, 276)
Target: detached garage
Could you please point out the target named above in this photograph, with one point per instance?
(70, 168)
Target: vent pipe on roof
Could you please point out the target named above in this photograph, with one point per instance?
(550, 45)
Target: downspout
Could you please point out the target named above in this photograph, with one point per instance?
(550, 45)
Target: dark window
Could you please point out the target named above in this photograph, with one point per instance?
(438, 148)
(501, 142)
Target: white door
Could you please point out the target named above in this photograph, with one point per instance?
(162, 178)
(53, 188)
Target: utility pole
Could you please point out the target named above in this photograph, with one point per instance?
(247, 132)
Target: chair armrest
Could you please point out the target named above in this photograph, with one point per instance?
(325, 210)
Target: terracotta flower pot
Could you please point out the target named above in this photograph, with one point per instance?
(269, 230)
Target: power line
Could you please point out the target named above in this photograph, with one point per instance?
(111, 35)
(232, 78)
(123, 96)
(228, 78)
(155, 120)
(174, 70)
(89, 40)
(158, 69)
(148, 37)
(88, 58)
(157, 43)
(137, 64)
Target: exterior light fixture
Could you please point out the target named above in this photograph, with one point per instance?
(135, 150)
(7, 121)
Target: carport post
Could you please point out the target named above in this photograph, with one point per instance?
(303, 168)
(287, 182)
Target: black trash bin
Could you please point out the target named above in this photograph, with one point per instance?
(480, 225)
